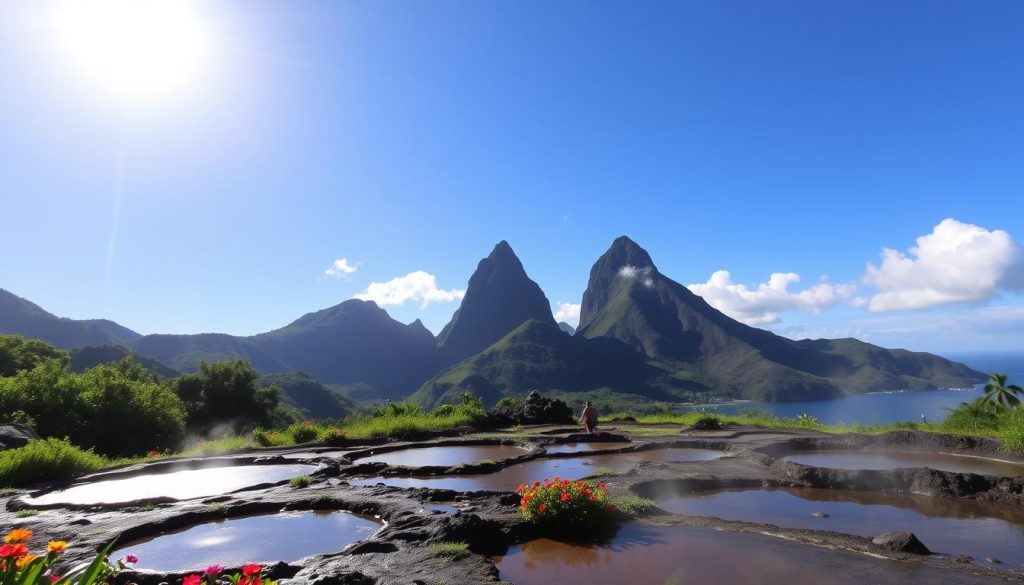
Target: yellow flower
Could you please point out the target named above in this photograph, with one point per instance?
(56, 546)
(22, 561)
(18, 535)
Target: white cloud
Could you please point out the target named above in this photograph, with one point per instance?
(416, 286)
(569, 313)
(340, 268)
(629, 271)
(956, 263)
(762, 304)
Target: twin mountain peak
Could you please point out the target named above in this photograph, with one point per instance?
(641, 336)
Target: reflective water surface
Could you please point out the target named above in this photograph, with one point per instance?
(643, 554)
(583, 447)
(575, 468)
(286, 536)
(181, 485)
(446, 456)
(897, 459)
(945, 525)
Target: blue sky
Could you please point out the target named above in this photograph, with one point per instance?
(750, 137)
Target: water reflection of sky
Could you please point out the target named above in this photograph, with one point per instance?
(895, 459)
(677, 555)
(566, 468)
(181, 485)
(286, 536)
(945, 525)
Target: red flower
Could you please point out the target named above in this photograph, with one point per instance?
(192, 580)
(251, 569)
(542, 508)
(13, 550)
(131, 559)
(565, 496)
(153, 453)
(54, 578)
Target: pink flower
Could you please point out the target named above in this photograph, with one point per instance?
(192, 580)
(213, 570)
(131, 559)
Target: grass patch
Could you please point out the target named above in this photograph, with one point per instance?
(300, 481)
(46, 459)
(448, 549)
(633, 505)
(605, 472)
(25, 513)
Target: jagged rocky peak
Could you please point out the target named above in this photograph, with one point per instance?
(624, 259)
(499, 298)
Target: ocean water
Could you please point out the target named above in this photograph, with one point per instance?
(894, 406)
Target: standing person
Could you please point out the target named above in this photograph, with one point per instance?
(589, 417)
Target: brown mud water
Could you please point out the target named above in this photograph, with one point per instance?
(896, 459)
(178, 485)
(510, 477)
(946, 525)
(286, 536)
(643, 553)
(446, 456)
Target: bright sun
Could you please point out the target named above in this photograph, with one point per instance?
(135, 48)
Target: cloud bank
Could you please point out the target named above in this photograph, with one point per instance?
(956, 263)
(416, 286)
(762, 304)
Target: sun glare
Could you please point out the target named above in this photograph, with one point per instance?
(135, 48)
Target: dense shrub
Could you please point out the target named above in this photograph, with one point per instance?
(18, 353)
(117, 409)
(564, 503)
(303, 432)
(44, 460)
(1011, 432)
(226, 392)
(971, 417)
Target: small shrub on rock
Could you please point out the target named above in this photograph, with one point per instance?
(565, 503)
(303, 432)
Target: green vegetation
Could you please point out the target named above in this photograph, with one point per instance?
(27, 513)
(633, 505)
(402, 419)
(18, 353)
(448, 549)
(565, 504)
(46, 459)
(1001, 396)
(226, 392)
(300, 481)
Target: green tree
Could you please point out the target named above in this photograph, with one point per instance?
(18, 353)
(1000, 395)
(117, 409)
(226, 391)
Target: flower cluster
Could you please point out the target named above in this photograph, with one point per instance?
(564, 502)
(19, 565)
(214, 575)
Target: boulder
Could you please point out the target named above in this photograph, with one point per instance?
(534, 410)
(14, 435)
(902, 542)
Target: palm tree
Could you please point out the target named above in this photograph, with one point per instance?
(1000, 395)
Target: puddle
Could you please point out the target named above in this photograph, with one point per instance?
(510, 477)
(676, 555)
(311, 454)
(896, 459)
(945, 525)
(584, 447)
(446, 456)
(180, 485)
(287, 536)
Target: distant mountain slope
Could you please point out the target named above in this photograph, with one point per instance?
(566, 327)
(83, 358)
(499, 298)
(355, 342)
(312, 399)
(18, 315)
(185, 352)
(629, 300)
(539, 355)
